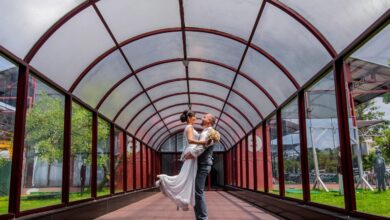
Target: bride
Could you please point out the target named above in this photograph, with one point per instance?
(181, 188)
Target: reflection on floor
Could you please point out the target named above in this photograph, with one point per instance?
(221, 205)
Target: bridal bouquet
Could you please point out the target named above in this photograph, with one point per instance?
(214, 135)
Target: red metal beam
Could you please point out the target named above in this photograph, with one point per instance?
(197, 112)
(183, 35)
(194, 79)
(191, 29)
(181, 93)
(178, 104)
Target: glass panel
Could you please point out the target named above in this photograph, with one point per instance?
(135, 106)
(59, 58)
(149, 165)
(154, 48)
(26, 21)
(168, 89)
(148, 135)
(130, 163)
(250, 163)
(226, 136)
(228, 129)
(96, 83)
(326, 182)
(267, 75)
(175, 117)
(244, 107)
(118, 98)
(210, 71)
(200, 108)
(155, 136)
(292, 151)
(162, 72)
(214, 47)
(43, 150)
(144, 167)
(174, 124)
(233, 124)
(236, 17)
(81, 153)
(150, 122)
(342, 27)
(163, 103)
(209, 88)
(140, 119)
(368, 92)
(168, 164)
(169, 145)
(103, 158)
(8, 91)
(255, 95)
(234, 113)
(206, 100)
(138, 165)
(244, 164)
(278, 32)
(124, 17)
(172, 110)
(260, 161)
(234, 167)
(272, 149)
(119, 162)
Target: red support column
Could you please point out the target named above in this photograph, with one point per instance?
(67, 149)
(147, 167)
(112, 158)
(94, 154)
(124, 158)
(134, 164)
(345, 141)
(18, 141)
(241, 167)
(280, 152)
(266, 145)
(303, 140)
(254, 146)
(141, 146)
(246, 160)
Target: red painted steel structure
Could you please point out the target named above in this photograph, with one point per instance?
(303, 146)
(280, 152)
(67, 149)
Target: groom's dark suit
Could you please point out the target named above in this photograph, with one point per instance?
(205, 161)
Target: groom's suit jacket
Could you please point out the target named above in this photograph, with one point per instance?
(206, 158)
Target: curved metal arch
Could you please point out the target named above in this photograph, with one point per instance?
(163, 140)
(222, 128)
(194, 79)
(197, 112)
(189, 29)
(155, 124)
(185, 93)
(177, 132)
(178, 104)
(212, 62)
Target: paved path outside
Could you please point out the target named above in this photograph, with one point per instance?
(221, 206)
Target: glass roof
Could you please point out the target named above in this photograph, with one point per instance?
(141, 63)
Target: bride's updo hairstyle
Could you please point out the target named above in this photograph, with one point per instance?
(185, 115)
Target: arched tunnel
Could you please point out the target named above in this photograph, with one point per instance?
(91, 92)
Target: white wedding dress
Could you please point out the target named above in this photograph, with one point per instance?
(181, 188)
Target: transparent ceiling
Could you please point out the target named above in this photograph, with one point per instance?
(141, 63)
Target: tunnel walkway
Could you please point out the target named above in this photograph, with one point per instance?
(221, 205)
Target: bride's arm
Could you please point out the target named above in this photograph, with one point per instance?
(192, 140)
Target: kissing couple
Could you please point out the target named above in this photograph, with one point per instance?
(187, 188)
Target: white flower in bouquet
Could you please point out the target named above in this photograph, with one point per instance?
(214, 135)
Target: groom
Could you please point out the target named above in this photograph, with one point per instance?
(205, 161)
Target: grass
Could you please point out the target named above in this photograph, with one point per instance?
(75, 196)
(366, 201)
(3, 205)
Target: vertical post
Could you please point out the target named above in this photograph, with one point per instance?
(153, 169)
(18, 141)
(124, 158)
(67, 149)
(280, 152)
(246, 160)
(345, 141)
(266, 146)
(134, 163)
(94, 154)
(112, 158)
(303, 140)
(147, 167)
(225, 166)
(254, 147)
(208, 182)
(241, 167)
(141, 146)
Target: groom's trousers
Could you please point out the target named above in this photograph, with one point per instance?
(200, 202)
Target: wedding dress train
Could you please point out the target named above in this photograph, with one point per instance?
(181, 188)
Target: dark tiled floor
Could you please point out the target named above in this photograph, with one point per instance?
(222, 206)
